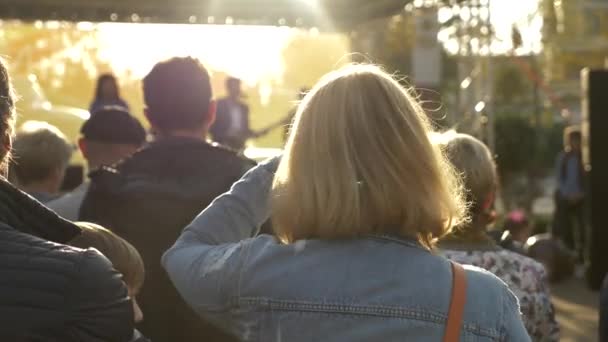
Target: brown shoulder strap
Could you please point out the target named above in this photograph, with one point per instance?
(459, 298)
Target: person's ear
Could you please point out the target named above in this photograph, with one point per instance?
(82, 145)
(211, 114)
(7, 143)
(58, 175)
(488, 202)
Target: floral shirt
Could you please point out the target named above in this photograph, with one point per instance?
(526, 278)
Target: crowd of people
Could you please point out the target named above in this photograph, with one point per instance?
(369, 226)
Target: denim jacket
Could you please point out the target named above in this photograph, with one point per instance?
(377, 288)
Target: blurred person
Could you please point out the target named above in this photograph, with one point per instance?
(519, 227)
(107, 94)
(569, 216)
(517, 230)
(558, 260)
(470, 243)
(231, 127)
(50, 291)
(106, 138)
(356, 201)
(41, 155)
(148, 198)
(123, 256)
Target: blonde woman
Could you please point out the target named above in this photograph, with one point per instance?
(470, 244)
(357, 201)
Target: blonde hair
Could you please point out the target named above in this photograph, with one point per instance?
(39, 149)
(359, 161)
(473, 160)
(123, 256)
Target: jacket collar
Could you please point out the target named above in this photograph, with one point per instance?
(23, 213)
(407, 241)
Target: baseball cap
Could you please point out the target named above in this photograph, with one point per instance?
(113, 125)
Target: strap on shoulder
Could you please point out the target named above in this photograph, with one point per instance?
(459, 298)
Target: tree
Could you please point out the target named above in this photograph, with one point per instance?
(510, 86)
(309, 56)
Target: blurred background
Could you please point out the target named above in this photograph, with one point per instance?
(505, 71)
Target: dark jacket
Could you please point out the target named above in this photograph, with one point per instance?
(49, 291)
(220, 130)
(148, 199)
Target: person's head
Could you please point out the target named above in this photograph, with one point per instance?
(123, 256)
(558, 260)
(41, 154)
(109, 136)
(573, 139)
(177, 94)
(518, 225)
(233, 87)
(473, 161)
(107, 88)
(359, 161)
(7, 117)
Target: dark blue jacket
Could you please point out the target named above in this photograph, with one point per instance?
(50, 291)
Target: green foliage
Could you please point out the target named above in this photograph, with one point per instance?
(550, 144)
(522, 147)
(510, 86)
(308, 57)
(515, 144)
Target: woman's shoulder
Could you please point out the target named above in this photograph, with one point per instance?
(485, 289)
(480, 279)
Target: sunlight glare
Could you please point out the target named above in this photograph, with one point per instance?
(503, 15)
(251, 53)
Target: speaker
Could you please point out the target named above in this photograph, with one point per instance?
(595, 157)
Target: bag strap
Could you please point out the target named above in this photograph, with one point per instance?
(459, 298)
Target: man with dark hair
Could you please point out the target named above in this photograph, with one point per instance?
(49, 291)
(108, 137)
(150, 197)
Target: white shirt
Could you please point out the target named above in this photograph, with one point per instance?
(236, 120)
(68, 205)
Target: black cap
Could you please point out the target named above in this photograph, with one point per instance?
(113, 125)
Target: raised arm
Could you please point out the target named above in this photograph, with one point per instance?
(205, 260)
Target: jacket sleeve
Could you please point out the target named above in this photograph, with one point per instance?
(205, 261)
(513, 328)
(100, 307)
